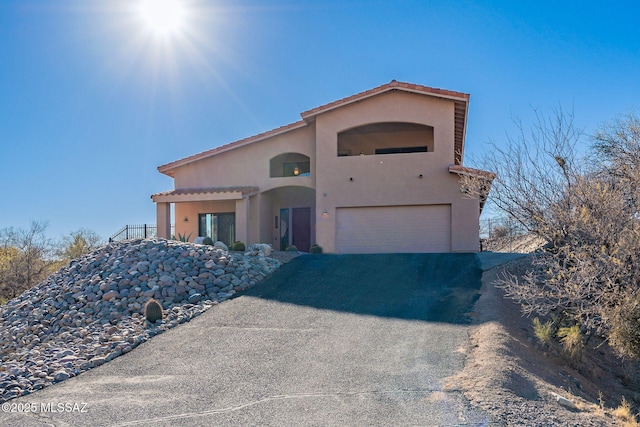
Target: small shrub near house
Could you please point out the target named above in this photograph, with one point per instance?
(316, 249)
(207, 241)
(238, 246)
(182, 237)
(291, 248)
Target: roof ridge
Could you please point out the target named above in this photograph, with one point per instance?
(393, 84)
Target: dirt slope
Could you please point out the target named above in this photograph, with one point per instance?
(508, 374)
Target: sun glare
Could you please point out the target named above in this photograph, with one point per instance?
(163, 17)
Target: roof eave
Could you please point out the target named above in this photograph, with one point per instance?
(168, 168)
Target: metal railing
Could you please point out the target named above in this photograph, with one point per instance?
(504, 234)
(138, 231)
(500, 226)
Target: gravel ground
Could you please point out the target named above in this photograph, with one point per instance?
(285, 256)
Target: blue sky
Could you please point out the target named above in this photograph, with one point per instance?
(91, 102)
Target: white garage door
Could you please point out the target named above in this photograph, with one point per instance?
(394, 229)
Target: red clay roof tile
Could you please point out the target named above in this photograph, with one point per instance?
(208, 190)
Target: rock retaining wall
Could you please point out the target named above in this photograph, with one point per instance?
(91, 312)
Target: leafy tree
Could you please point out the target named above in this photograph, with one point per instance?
(25, 258)
(77, 243)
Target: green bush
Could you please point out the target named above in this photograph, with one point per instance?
(291, 249)
(238, 246)
(207, 241)
(316, 249)
(153, 311)
(571, 340)
(543, 331)
(182, 237)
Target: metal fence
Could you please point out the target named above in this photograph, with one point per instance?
(499, 226)
(503, 234)
(138, 231)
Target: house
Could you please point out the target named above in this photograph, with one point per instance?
(378, 171)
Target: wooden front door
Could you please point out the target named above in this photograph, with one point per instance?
(301, 228)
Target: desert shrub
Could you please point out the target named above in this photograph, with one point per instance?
(26, 258)
(183, 237)
(238, 246)
(624, 412)
(624, 334)
(500, 231)
(543, 331)
(587, 210)
(291, 248)
(316, 249)
(571, 340)
(153, 311)
(207, 241)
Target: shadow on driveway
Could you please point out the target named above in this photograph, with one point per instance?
(427, 287)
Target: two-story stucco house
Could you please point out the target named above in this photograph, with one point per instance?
(378, 171)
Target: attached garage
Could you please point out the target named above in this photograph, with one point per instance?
(422, 228)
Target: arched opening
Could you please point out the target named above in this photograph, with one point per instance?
(386, 138)
(289, 164)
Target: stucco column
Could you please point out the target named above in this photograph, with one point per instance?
(242, 220)
(163, 220)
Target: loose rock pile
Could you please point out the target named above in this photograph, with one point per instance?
(91, 312)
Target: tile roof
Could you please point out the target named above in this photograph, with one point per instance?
(463, 170)
(208, 190)
(461, 101)
(486, 184)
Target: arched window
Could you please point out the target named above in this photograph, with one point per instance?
(289, 164)
(386, 138)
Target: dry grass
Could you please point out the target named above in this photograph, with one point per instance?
(624, 413)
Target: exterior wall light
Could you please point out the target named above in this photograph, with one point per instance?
(186, 219)
(325, 214)
(296, 171)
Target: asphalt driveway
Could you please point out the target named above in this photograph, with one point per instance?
(326, 340)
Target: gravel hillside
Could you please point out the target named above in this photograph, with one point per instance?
(91, 311)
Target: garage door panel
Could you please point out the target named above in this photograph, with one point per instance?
(424, 228)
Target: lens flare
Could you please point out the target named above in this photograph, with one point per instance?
(163, 17)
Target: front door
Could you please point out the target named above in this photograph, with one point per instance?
(301, 228)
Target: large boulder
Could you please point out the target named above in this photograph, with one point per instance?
(220, 245)
(260, 249)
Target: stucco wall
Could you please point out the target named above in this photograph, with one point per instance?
(369, 180)
(391, 179)
(249, 165)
